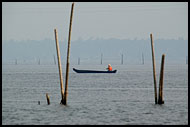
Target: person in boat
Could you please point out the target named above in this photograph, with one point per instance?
(109, 67)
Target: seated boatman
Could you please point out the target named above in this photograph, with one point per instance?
(109, 67)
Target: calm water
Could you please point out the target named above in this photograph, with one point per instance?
(126, 97)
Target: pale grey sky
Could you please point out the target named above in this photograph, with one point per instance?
(122, 20)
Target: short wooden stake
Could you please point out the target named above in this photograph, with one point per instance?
(59, 65)
(48, 100)
(160, 99)
(154, 69)
(68, 53)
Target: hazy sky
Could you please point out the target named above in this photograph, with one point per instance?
(122, 20)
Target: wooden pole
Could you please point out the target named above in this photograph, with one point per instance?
(15, 61)
(154, 69)
(54, 59)
(68, 53)
(122, 59)
(39, 61)
(160, 99)
(59, 65)
(101, 58)
(142, 59)
(48, 100)
(79, 61)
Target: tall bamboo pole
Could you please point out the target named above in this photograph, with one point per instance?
(160, 97)
(154, 69)
(68, 53)
(59, 65)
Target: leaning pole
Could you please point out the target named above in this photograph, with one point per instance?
(59, 65)
(68, 53)
(154, 68)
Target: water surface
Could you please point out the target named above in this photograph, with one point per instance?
(125, 98)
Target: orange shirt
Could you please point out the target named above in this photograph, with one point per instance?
(109, 68)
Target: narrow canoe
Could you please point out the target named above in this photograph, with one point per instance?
(93, 71)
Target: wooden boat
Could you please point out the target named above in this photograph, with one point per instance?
(93, 71)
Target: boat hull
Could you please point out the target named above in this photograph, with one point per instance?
(93, 71)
